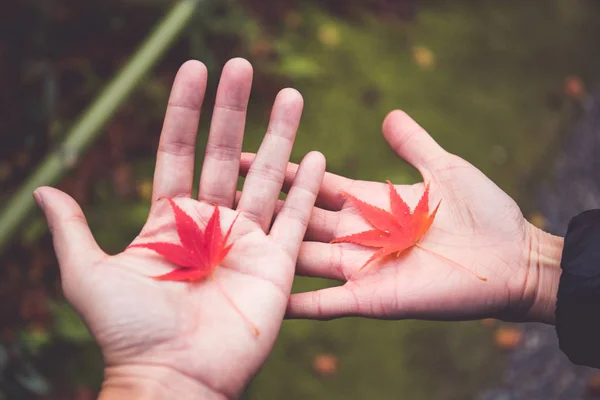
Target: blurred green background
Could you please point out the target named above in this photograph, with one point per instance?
(495, 82)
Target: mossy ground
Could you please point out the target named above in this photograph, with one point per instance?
(480, 77)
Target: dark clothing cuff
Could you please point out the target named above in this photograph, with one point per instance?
(578, 299)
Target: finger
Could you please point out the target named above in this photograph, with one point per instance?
(329, 196)
(73, 242)
(324, 304)
(174, 170)
(222, 157)
(321, 260)
(321, 226)
(290, 224)
(410, 141)
(265, 177)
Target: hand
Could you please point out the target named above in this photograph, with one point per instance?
(477, 226)
(185, 340)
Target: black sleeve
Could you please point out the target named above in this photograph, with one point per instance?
(578, 299)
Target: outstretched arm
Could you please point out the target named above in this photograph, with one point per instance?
(182, 340)
(477, 226)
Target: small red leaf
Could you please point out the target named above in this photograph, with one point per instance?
(397, 231)
(200, 251)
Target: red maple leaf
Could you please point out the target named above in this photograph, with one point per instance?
(397, 230)
(199, 253)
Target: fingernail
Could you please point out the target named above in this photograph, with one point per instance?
(37, 196)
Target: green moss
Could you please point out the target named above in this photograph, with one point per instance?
(379, 359)
(485, 99)
(483, 96)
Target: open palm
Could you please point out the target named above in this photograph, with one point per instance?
(189, 336)
(478, 227)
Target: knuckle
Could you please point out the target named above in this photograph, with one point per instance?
(283, 133)
(221, 152)
(255, 215)
(295, 214)
(268, 172)
(316, 301)
(235, 107)
(177, 147)
(185, 107)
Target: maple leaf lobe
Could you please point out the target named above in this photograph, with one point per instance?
(395, 231)
(199, 253)
(398, 230)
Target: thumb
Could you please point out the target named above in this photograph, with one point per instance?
(73, 242)
(410, 141)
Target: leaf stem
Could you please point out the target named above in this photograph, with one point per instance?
(255, 330)
(451, 261)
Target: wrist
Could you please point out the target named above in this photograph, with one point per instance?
(543, 263)
(153, 382)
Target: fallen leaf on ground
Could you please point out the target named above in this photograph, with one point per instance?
(325, 364)
(538, 220)
(593, 385)
(508, 338)
(573, 87)
(423, 57)
(329, 35)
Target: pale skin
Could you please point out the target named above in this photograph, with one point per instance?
(180, 340)
(477, 226)
(185, 340)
